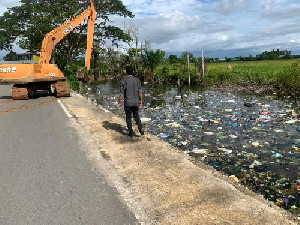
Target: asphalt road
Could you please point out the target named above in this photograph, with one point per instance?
(44, 176)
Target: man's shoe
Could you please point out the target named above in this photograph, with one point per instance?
(142, 132)
(130, 134)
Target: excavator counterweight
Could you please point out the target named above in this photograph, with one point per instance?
(28, 78)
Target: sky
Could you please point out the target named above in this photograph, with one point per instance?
(221, 28)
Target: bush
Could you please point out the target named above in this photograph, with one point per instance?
(70, 73)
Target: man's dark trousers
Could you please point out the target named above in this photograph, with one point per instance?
(135, 111)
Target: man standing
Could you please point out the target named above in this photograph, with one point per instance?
(131, 92)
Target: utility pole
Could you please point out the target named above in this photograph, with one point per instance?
(188, 64)
(136, 54)
(203, 67)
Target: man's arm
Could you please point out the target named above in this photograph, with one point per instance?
(140, 94)
(140, 98)
(120, 101)
(121, 94)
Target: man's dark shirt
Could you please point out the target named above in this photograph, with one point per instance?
(129, 88)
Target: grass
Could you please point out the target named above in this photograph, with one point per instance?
(282, 74)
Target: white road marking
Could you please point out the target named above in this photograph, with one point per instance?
(65, 109)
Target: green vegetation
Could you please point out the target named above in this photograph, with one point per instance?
(70, 72)
(32, 20)
(281, 74)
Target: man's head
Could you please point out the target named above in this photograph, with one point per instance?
(129, 70)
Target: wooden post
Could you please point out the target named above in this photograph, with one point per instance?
(197, 69)
(135, 57)
(188, 64)
(203, 67)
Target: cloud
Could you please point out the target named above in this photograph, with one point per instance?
(229, 6)
(282, 13)
(155, 7)
(4, 4)
(180, 32)
(275, 32)
(219, 27)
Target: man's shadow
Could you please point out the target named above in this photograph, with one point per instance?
(120, 129)
(6, 97)
(38, 94)
(116, 127)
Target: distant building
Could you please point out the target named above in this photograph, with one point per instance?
(28, 56)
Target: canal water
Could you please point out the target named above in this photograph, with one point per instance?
(253, 139)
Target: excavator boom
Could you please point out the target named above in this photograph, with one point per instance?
(56, 35)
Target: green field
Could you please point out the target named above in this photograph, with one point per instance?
(282, 74)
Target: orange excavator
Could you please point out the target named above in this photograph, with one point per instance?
(28, 78)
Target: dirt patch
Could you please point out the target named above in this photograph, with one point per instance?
(164, 185)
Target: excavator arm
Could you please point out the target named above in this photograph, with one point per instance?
(56, 35)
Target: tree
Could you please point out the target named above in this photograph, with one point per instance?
(173, 59)
(153, 58)
(274, 55)
(33, 19)
(11, 56)
(192, 57)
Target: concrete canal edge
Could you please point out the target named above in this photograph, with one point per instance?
(159, 183)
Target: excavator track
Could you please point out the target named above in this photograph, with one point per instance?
(20, 92)
(27, 90)
(61, 89)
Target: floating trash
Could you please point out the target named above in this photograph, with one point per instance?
(256, 163)
(228, 151)
(248, 104)
(164, 135)
(277, 155)
(173, 124)
(254, 138)
(291, 121)
(255, 144)
(145, 120)
(233, 136)
(234, 178)
(230, 101)
(279, 131)
(199, 151)
(265, 113)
